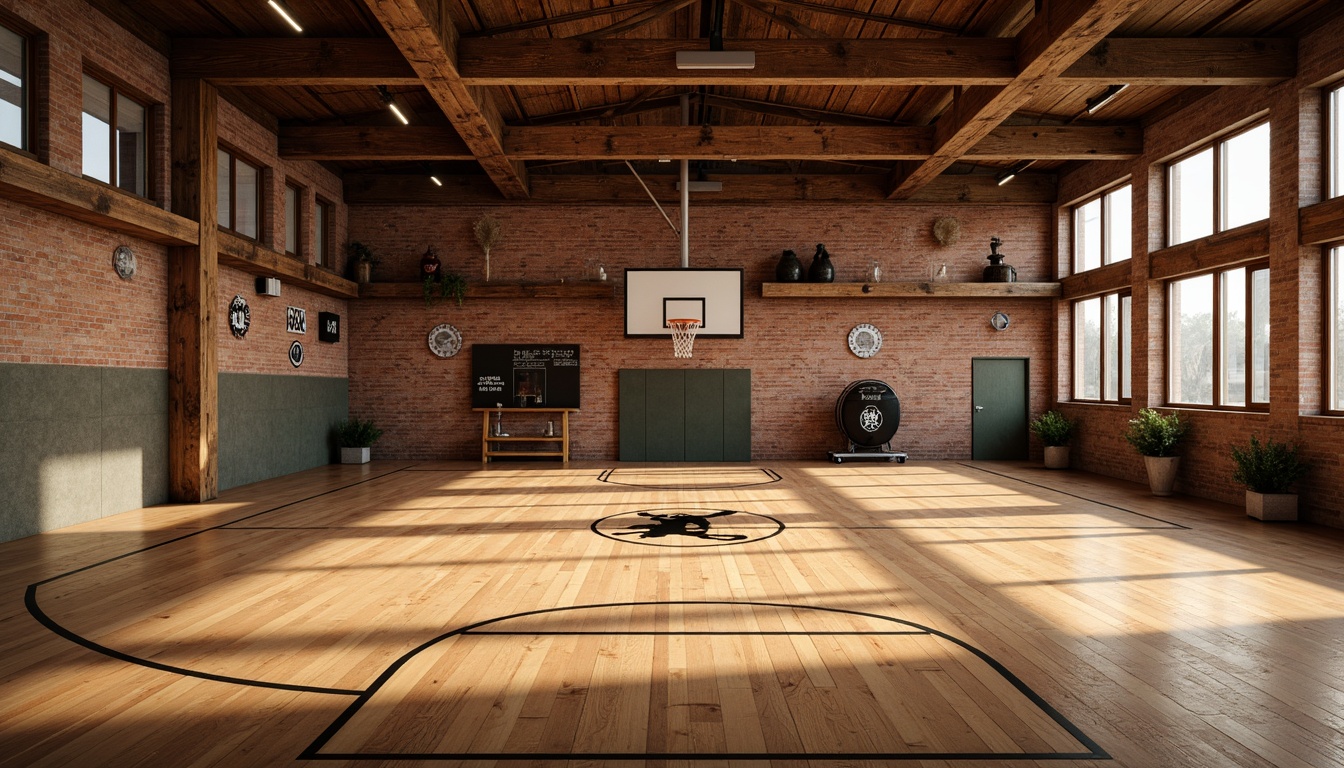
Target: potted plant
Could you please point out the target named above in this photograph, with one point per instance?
(1268, 470)
(487, 231)
(362, 260)
(447, 284)
(1155, 437)
(356, 436)
(1054, 429)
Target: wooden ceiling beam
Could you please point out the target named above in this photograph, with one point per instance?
(1185, 61)
(1062, 32)
(427, 38)
(292, 61)
(836, 143)
(636, 20)
(549, 189)
(563, 18)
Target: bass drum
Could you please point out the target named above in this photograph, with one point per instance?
(868, 413)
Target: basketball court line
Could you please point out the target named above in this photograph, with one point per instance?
(1074, 495)
(771, 475)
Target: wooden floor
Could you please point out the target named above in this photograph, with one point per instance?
(782, 614)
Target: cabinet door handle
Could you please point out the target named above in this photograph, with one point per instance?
(979, 407)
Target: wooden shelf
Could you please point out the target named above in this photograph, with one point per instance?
(579, 289)
(560, 451)
(909, 290)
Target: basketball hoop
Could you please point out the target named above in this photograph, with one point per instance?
(683, 335)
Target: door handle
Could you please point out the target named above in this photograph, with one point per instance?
(979, 407)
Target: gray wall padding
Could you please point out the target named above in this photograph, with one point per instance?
(275, 425)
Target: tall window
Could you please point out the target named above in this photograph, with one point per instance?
(1218, 331)
(239, 195)
(1335, 141)
(1101, 230)
(293, 220)
(13, 89)
(322, 235)
(1219, 187)
(1335, 332)
(115, 138)
(1101, 351)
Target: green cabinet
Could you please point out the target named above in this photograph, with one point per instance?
(685, 415)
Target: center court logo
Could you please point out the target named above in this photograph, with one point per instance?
(687, 527)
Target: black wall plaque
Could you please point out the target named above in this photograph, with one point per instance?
(541, 376)
(328, 327)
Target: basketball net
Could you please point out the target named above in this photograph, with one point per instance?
(683, 335)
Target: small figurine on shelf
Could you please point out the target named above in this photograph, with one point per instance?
(997, 271)
(429, 264)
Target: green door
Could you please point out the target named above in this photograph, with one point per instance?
(999, 408)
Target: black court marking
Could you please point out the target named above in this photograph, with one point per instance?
(686, 527)
(771, 477)
(31, 603)
(1094, 750)
(1076, 496)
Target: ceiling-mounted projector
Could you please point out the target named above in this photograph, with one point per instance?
(716, 59)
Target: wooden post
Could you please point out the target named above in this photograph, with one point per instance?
(193, 274)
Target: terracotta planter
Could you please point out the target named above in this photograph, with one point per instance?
(1162, 473)
(1271, 506)
(354, 455)
(1056, 457)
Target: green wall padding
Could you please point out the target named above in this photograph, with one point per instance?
(274, 425)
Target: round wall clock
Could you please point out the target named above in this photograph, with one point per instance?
(999, 321)
(865, 340)
(296, 354)
(240, 317)
(123, 260)
(445, 340)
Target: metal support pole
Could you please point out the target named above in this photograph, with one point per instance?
(685, 191)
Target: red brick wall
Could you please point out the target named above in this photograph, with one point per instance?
(796, 348)
(265, 348)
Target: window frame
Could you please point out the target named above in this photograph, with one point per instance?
(1333, 111)
(323, 254)
(27, 102)
(299, 220)
(1334, 302)
(1124, 354)
(1219, 373)
(1219, 199)
(234, 158)
(115, 90)
(1104, 196)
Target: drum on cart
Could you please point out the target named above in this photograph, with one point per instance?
(868, 414)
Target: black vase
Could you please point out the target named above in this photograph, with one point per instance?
(821, 271)
(997, 271)
(789, 269)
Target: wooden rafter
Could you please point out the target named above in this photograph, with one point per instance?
(851, 13)
(563, 18)
(293, 61)
(831, 143)
(428, 39)
(1063, 32)
(637, 20)
(782, 18)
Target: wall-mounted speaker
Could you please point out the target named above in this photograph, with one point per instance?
(268, 286)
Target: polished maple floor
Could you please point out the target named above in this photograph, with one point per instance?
(786, 614)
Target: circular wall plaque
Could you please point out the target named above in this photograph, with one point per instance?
(123, 261)
(865, 340)
(240, 317)
(296, 354)
(999, 321)
(445, 340)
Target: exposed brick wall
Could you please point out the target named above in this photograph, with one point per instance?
(265, 348)
(796, 348)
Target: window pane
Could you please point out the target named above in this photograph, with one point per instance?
(1087, 240)
(1233, 314)
(320, 233)
(1087, 349)
(1190, 358)
(1125, 353)
(97, 130)
(12, 99)
(1260, 336)
(1118, 230)
(1337, 328)
(1111, 344)
(132, 174)
(1336, 129)
(223, 188)
(247, 194)
(1190, 196)
(291, 220)
(1246, 177)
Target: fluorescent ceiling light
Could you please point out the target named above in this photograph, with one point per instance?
(284, 14)
(716, 59)
(435, 179)
(1106, 97)
(392, 105)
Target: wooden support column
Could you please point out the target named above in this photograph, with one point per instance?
(193, 274)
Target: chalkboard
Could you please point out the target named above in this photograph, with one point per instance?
(514, 376)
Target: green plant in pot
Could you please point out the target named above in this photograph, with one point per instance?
(361, 260)
(448, 284)
(1156, 438)
(1054, 429)
(356, 437)
(1268, 470)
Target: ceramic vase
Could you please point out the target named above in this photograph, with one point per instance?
(822, 270)
(789, 269)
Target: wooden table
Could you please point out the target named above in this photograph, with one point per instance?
(562, 440)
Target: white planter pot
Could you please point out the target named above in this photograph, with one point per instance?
(1271, 506)
(1162, 473)
(1056, 457)
(354, 455)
